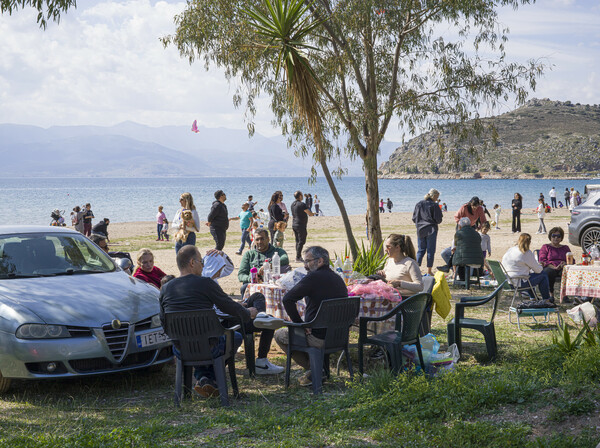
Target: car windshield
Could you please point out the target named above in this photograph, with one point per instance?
(33, 255)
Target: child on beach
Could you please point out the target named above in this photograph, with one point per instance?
(541, 212)
(497, 210)
(164, 232)
(279, 235)
(253, 230)
(486, 242)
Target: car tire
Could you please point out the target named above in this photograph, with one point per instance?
(590, 238)
(4, 384)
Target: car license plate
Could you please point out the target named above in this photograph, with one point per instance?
(157, 337)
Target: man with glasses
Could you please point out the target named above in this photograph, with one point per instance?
(255, 258)
(320, 284)
(190, 291)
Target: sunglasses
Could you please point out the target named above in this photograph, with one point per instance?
(556, 235)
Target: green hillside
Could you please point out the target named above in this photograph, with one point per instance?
(542, 138)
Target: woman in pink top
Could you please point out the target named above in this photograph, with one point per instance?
(553, 256)
(472, 210)
(160, 217)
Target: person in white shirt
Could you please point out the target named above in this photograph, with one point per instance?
(519, 261)
(497, 210)
(187, 203)
(541, 212)
(552, 195)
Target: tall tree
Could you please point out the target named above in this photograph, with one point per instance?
(47, 9)
(423, 63)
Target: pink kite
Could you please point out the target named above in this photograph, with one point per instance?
(195, 127)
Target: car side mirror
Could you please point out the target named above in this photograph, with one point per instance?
(124, 263)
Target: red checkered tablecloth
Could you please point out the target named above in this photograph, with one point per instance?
(580, 281)
(369, 306)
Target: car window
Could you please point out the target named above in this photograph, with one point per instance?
(50, 254)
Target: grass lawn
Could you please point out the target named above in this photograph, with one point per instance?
(532, 396)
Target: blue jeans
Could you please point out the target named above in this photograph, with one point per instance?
(191, 241)
(541, 281)
(158, 230)
(217, 350)
(427, 244)
(245, 238)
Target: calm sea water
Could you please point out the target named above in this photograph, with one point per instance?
(30, 201)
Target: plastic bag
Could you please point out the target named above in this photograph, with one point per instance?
(586, 311)
(289, 280)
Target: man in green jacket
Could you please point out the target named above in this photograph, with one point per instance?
(256, 258)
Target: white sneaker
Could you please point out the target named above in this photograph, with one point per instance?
(264, 367)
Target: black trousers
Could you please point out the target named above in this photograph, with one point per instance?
(300, 234)
(553, 274)
(257, 300)
(516, 220)
(219, 235)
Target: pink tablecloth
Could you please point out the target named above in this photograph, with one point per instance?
(369, 306)
(580, 281)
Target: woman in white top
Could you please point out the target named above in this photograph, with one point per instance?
(187, 203)
(401, 270)
(519, 261)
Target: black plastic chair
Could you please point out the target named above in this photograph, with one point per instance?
(192, 332)
(334, 315)
(409, 314)
(483, 326)
(428, 284)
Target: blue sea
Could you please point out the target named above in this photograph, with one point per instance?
(30, 200)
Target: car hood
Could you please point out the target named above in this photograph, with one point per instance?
(87, 300)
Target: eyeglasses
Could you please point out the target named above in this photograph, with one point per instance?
(556, 235)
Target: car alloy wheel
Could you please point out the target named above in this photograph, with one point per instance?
(590, 238)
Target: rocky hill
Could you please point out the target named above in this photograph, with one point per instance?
(543, 138)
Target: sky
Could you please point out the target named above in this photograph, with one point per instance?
(104, 64)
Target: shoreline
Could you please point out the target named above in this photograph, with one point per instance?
(483, 176)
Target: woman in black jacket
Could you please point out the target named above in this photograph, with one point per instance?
(517, 205)
(275, 213)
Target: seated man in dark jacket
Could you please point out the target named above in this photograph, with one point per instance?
(320, 284)
(191, 291)
(255, 258)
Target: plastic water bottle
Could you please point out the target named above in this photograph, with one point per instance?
(253, 275)
(266, 272)
(276, 266)
(347, 269)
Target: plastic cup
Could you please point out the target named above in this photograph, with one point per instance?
(570, 259)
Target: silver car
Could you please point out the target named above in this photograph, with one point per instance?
(584, 228)
(67, 310)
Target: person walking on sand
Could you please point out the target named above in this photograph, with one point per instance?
(389, 204)
(160, 217)
(187, 203)
(87, 220)
(317, 203)
(218, 219)
(567, 195)
(300, 213)
(427, 216)
(552, 195)
(517, 205)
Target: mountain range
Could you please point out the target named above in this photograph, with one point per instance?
(131, 149)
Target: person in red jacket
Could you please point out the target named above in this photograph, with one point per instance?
(146, 271)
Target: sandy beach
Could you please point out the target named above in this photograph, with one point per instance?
(329, 232)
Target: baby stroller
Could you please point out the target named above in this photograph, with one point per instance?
(57, 219)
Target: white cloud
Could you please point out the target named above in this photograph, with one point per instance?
(104, 64)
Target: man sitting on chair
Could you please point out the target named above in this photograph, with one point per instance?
(466, 250)
(320, 284)
(191, 291)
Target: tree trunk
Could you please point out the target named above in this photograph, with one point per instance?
(341, 206)
(372, 190)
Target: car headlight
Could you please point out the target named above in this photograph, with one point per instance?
(41, 331)
(155, 321)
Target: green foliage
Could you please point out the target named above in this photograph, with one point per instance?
(47, 9)
(562, 340)
(370, 259)
(582, 366)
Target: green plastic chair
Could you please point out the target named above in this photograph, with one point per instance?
(483, 326)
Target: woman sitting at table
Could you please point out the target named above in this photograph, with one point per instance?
(553, 256)
(519, 260)
(401, 270)
(146, 271)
